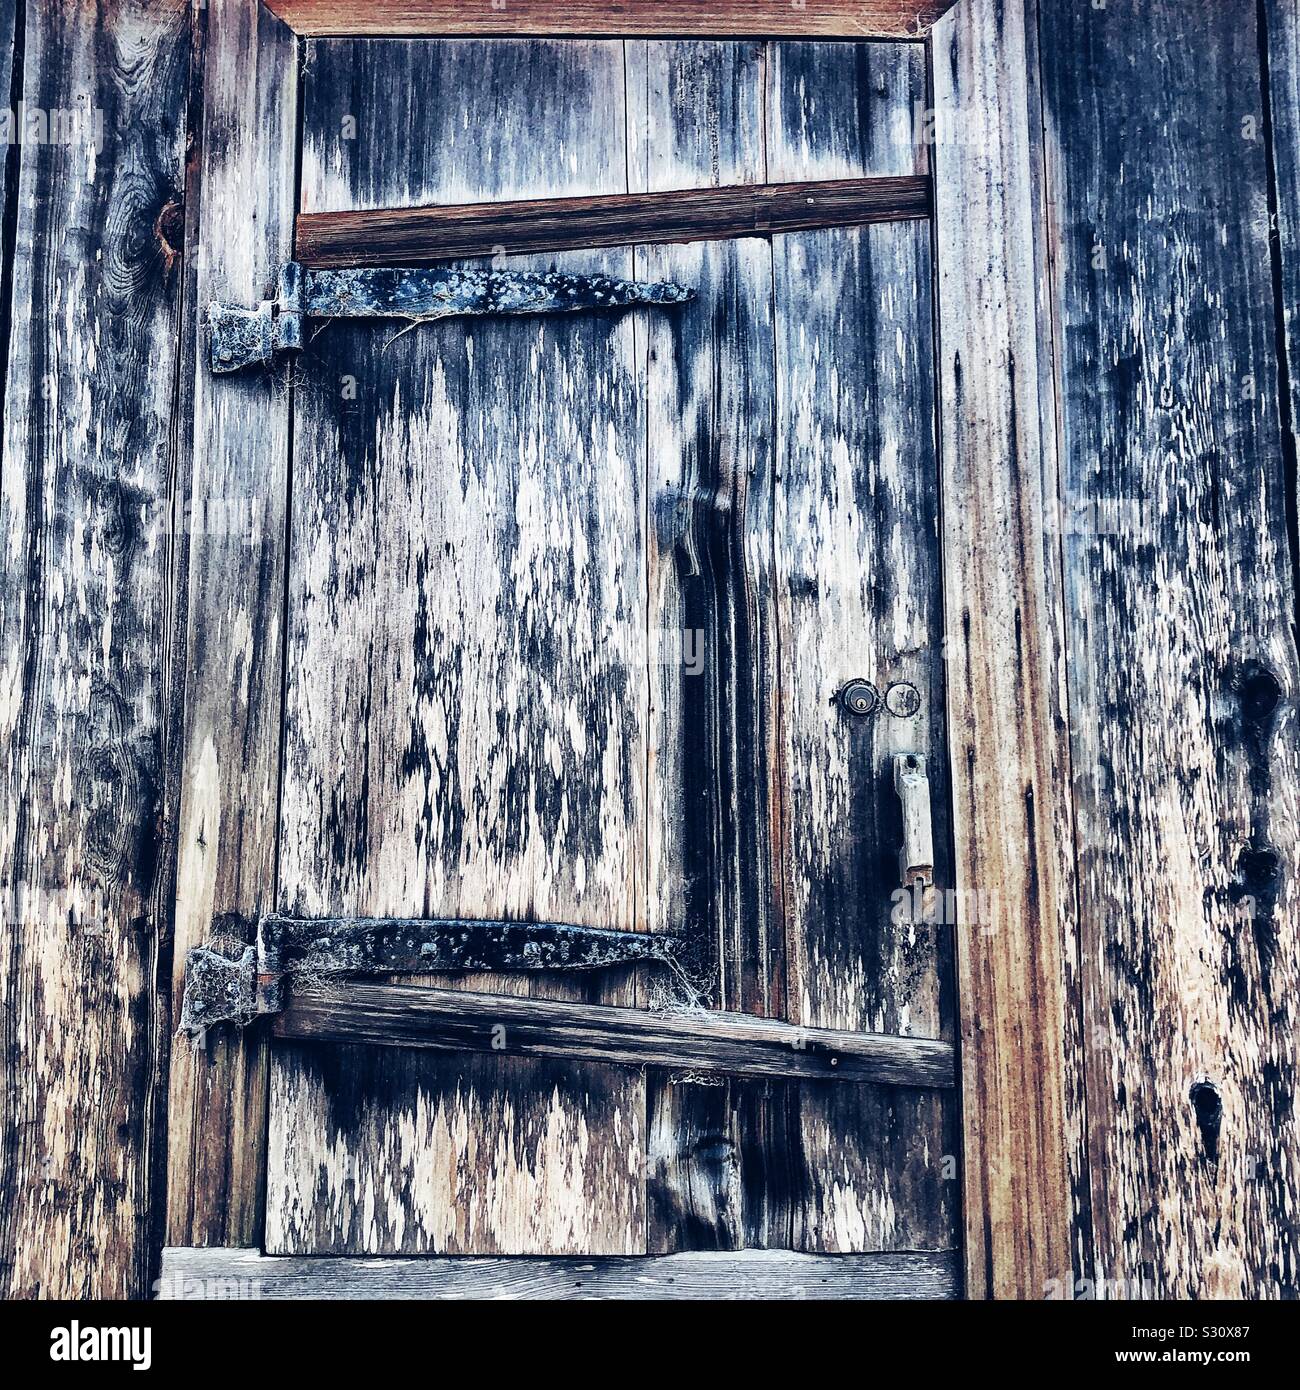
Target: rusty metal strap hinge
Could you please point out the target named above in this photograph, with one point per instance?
(253, 337)
(236, 985)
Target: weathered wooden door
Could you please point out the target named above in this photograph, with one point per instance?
(571, 606)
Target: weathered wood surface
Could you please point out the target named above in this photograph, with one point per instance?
(235, 507)
(747, 1275)
(695, 115)
(695, 111)
(466, 708)
(1003, 637)
(85, 533)
(384, 1153)
(730, 1164)
(856, 526)
(416, 236)
(77, 1227)
(10, 94)
(705, 1042)
(854, 19)
(1282, 53)
(372, 832)
(857, 586)
(1183, 674)
(465, 734)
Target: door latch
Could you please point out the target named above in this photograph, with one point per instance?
(236, 986)
(253, 337)
(916, 858)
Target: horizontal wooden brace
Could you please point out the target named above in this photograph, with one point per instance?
(215, 1273)
(417, 236)
(825, 19)
(723, 1043)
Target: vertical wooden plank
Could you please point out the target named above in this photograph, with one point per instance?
(11, 58)
(1012, 819)
(695, 120)
(1183, 673)
(466, 703)
(695, 113)
(858, 596)
(856, 534)
(1282, 56)
(236, 512)
(84, 525)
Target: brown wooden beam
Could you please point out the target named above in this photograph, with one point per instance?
(825, 19)
(413, 236)
(722, 1043)
(1008, 728)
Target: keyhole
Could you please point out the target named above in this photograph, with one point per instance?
(860, 698)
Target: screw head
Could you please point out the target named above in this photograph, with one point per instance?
(859, 698)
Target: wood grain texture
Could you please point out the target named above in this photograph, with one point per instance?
(855, 19)
(856, 529)
(705, 1042)
(722, 1156)
(710, 565)
(1183, 674)
(466, 709)
(1007, 722)
(695, 113)
(11, 77)
(857, 595)
(473, 669)
(388, 1155)
(419, 236)
(235, 508)
(84, 534)
(748, 1275)
(695, 110)
(730, 1164)
(1282, 55)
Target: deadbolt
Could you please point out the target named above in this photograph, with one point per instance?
(860, 698)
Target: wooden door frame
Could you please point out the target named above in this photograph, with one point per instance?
(1007, 727)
